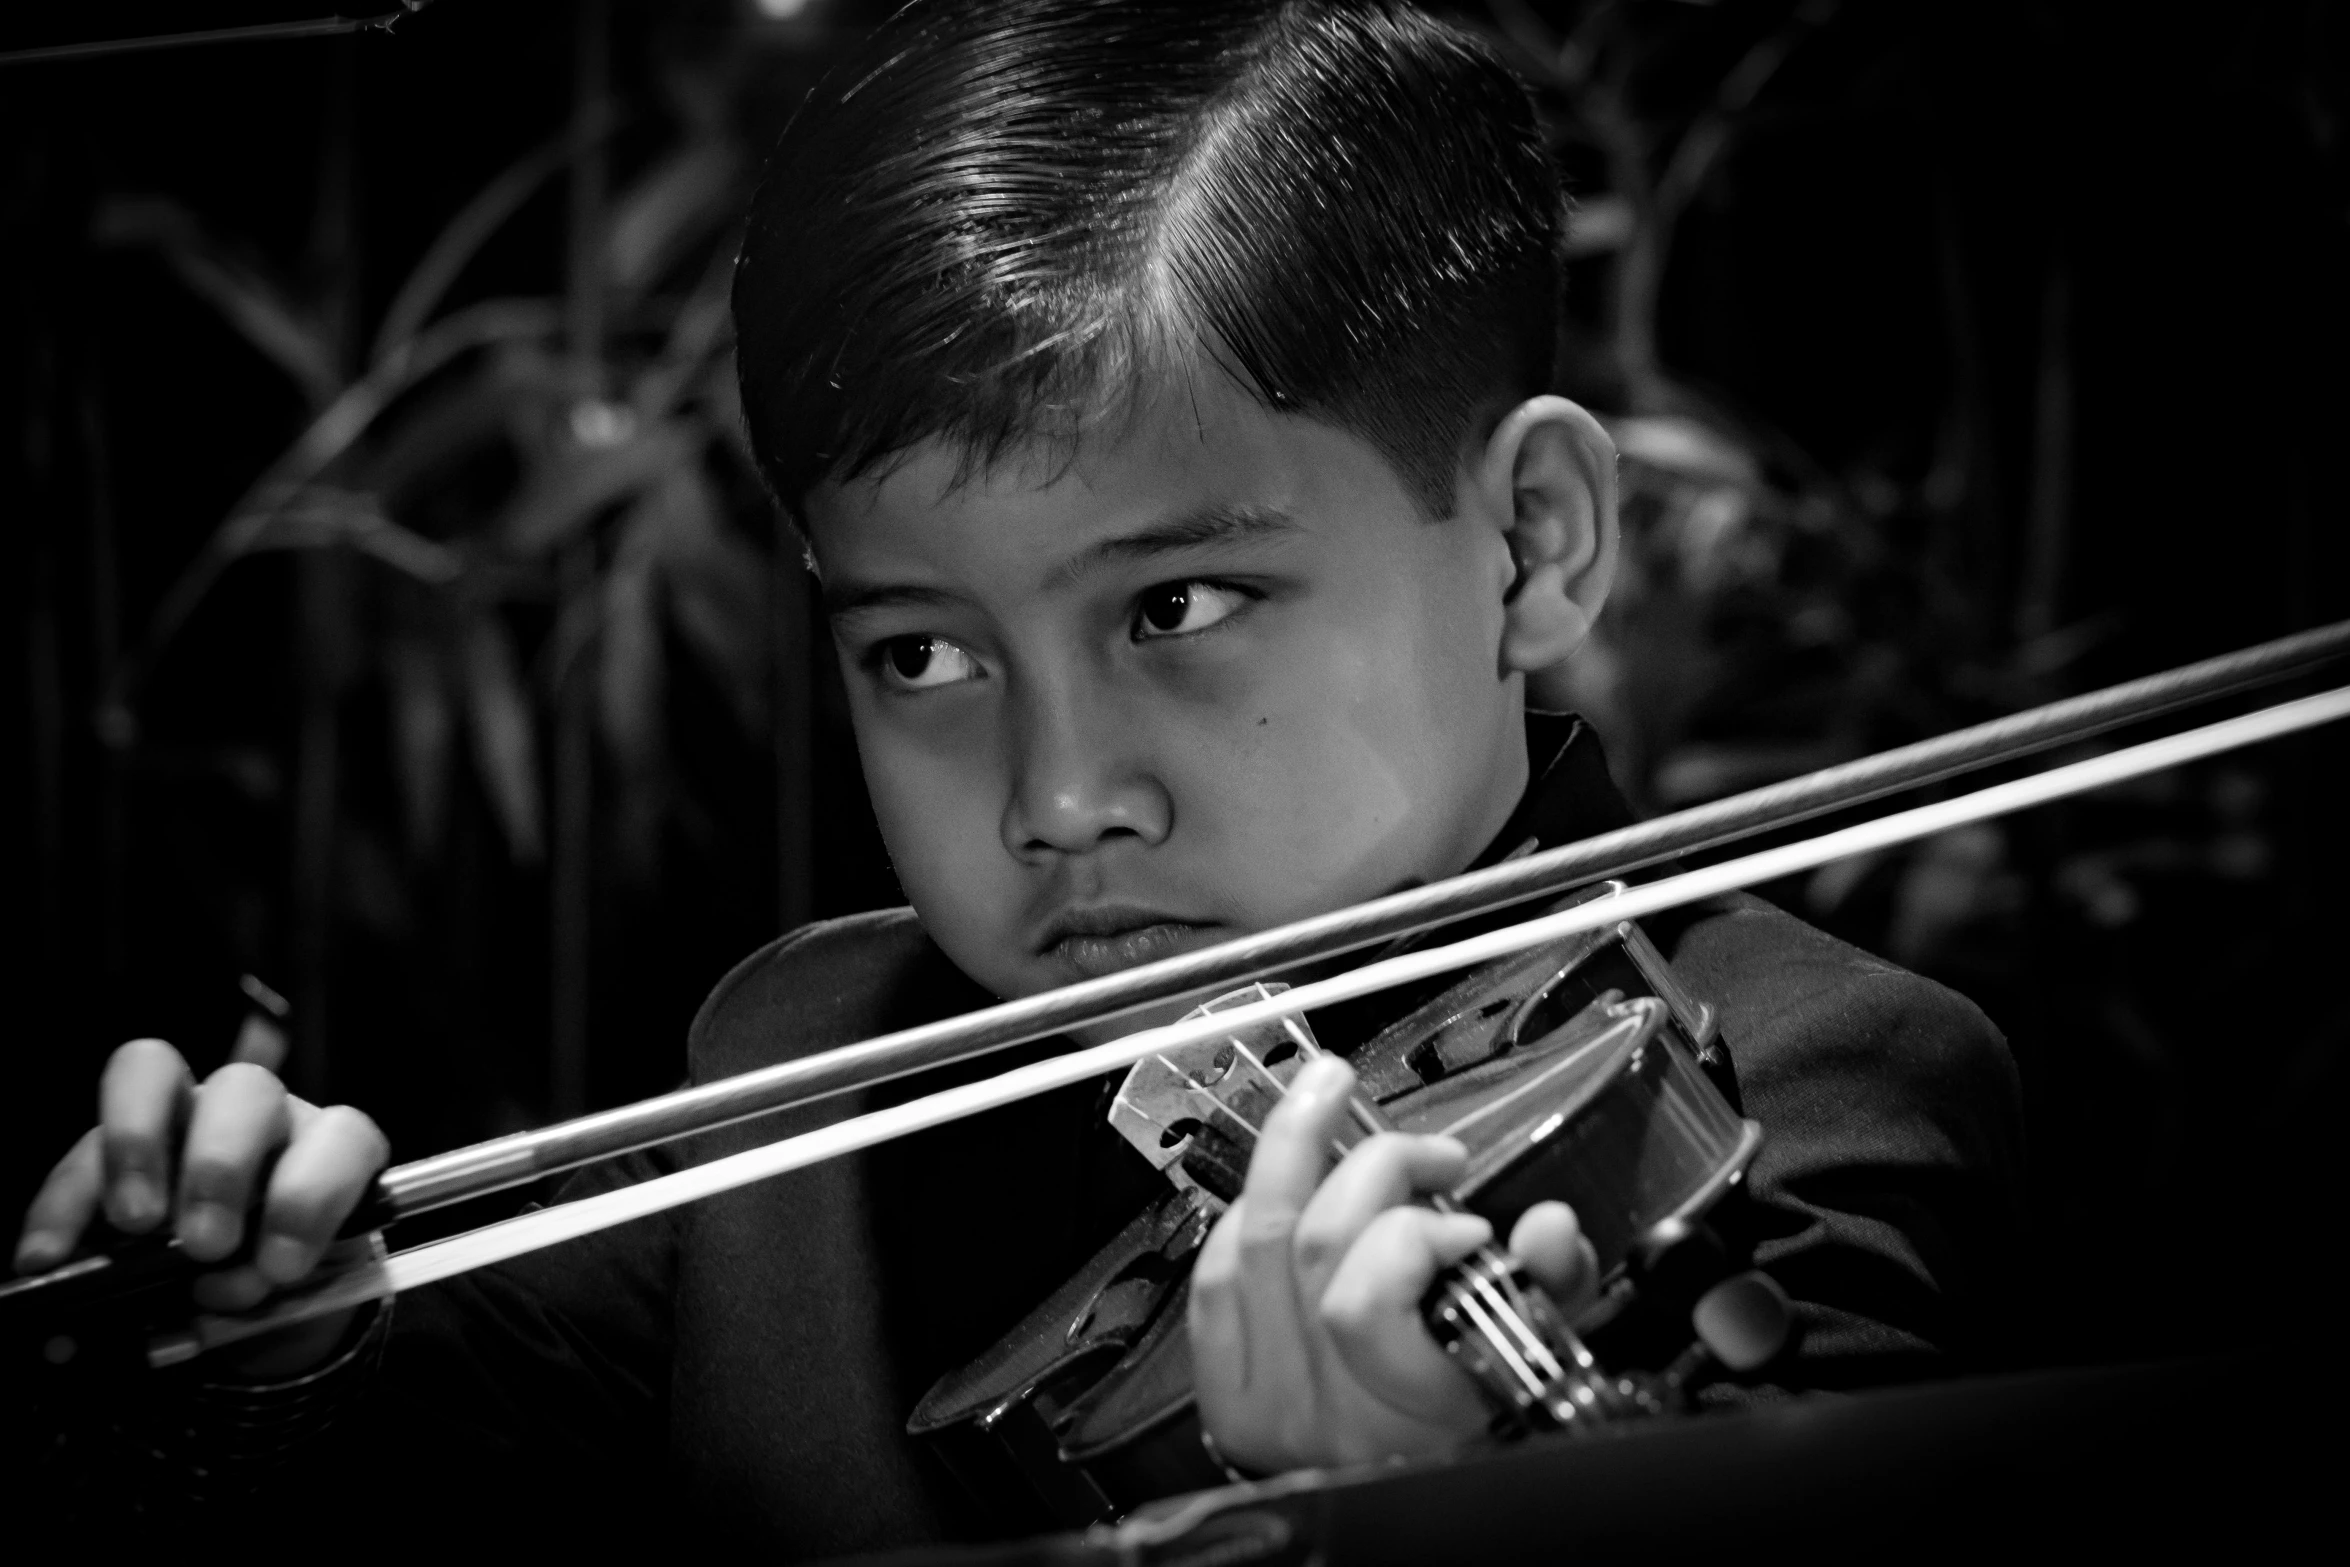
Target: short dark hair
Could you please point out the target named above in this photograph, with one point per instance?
(996, 221)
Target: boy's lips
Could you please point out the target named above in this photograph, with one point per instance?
(1094, 942)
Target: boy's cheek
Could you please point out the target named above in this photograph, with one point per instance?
(969, 902)
(940, 824)
(935, 808)
(1306, 841)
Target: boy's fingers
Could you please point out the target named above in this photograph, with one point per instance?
(1391, 1265)
(1218, 1336)
(61, 1210)
(141, 1098)
(1246, 1354)
(1377, 1174)
(1255, 1344)
(1293, 1146)
(230, 1289)
(1292, 1153)
(1551, 1243)
(321, 1177)
(1371, 1311)
(240, 1120)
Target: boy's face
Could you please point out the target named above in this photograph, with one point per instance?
(1213, 674)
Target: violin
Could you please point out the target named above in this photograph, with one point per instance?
(1627, 1034)
(1579, 1071)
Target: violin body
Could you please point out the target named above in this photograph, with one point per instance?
(1579, 1071)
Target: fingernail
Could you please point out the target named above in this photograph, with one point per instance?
(208, 1229)
(1323, 1074)
(283, 1259)
(1470, 1230)
(39, 1252)
(138, 1200)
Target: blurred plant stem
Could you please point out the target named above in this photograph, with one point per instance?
(2048, 510)
(571, 879)
(45, 685)
(105, 603)
(571, 851)
(319, 632)
(322, 629)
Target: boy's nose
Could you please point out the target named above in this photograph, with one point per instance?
(1079, 782)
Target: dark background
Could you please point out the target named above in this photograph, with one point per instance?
(1966, 355)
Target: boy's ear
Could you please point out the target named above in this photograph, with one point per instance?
(1547, 477)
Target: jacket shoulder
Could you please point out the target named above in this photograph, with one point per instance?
(1777, 979)
(831, 983)
(1891, 1177)
(1852, 1063)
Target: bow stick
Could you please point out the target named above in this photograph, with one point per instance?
(546, 1227)
(524, 1157)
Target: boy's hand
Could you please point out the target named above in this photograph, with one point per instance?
(166, 1148)
(1307, 1342)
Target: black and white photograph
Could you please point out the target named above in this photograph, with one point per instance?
(1173, 783)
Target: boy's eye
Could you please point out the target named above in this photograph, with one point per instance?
(1174, 609)
(924, 663)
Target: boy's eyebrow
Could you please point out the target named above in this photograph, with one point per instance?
(1215, 523)
(849, 598)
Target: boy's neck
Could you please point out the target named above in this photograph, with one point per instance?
(1568, 795)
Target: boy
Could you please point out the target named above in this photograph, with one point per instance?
(1161, 387)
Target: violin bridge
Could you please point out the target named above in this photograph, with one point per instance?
(1201, 1105)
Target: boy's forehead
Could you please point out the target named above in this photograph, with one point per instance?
(1197, 452)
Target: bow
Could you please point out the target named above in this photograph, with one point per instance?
(515, 1160)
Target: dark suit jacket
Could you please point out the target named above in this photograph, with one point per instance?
(741, 1369)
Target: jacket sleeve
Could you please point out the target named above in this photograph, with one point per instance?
(540, 1398)
(545, 1376)
(1889, 1190)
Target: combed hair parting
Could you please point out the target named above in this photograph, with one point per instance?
(1000, 221)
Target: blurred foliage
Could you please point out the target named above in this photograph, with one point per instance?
(471, 449)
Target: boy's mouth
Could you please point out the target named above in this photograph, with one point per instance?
(1097, 941)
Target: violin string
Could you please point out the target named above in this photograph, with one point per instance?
(545, 1227)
